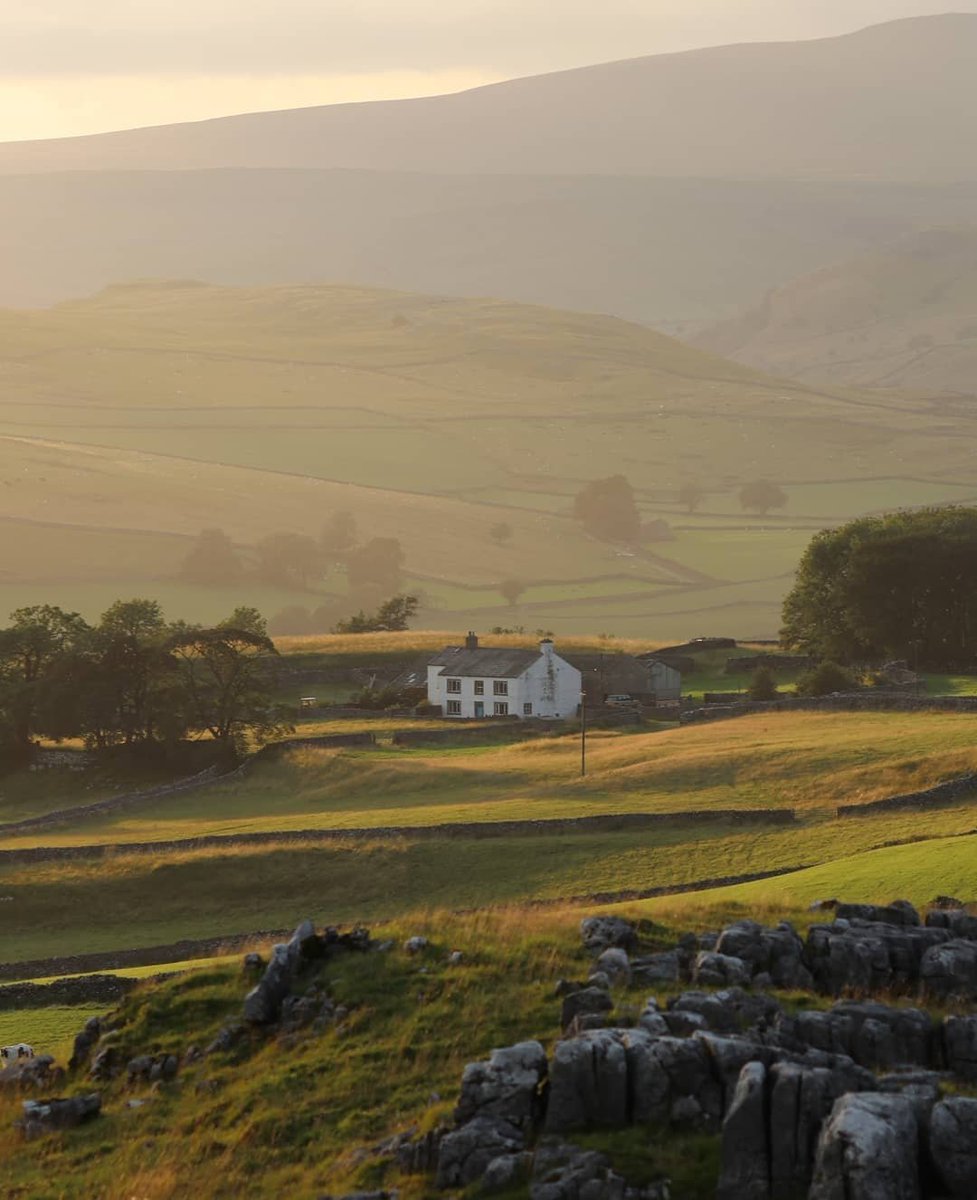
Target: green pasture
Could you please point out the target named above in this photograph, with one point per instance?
(50, 1030)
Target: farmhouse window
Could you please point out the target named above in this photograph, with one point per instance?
(527, 710)
(454, 708)
(501, 708)
(454, 685)
(479, 687)
(501, 687)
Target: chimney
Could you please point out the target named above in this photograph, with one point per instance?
(546, 647)
(471, 642)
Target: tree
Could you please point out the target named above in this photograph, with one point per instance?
(902, 586)
(501, 532)
(608, 511)
(33, 651)
(763, 686)
(229, 682)
(511, 590)
(392, 616)
(338, 535)
(690, 496)
(378, 564)
(290, 560)
(212, 560)
(131, 683)
(761, 496)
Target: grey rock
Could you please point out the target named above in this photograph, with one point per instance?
(584, 1003)
(507, 1171)
(615, 964)
(50, 1116)
(227, 1038)
(588, 1082)
(31, 1074)
(720, 970)
(899, 912)
(85, 1042)
(604, 933)
(957, 921)
(953, 1145)
(679, 1023)
(263, 1003)
(745, 1173)
(464, 1154)
(950, 970)
(868, 1150)
(508, 1086)
(414, 945)
(960, 1047)
(657, 968)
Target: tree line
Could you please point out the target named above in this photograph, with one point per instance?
(134, 679)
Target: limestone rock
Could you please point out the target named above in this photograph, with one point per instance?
(616, 965)
(508, 1086)
(868, 1150)
(465, 1153)
(589, 1082)
(953, 1145)
(745, 1171)
(49, 1116)
(604, 933)
(720, 970)
(588, 1001)
(950, 969)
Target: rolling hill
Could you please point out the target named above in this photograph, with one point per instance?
(904, 316)
(133, 419)
(890, 103)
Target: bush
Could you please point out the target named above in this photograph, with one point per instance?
(827, 678)
(763, 686)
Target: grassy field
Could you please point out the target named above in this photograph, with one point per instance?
(135, 418)
(809, 761)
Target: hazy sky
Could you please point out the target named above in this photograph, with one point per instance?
(79, 66)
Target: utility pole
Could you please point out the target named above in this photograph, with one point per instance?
(583, 733)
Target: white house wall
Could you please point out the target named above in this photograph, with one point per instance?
(550, 685)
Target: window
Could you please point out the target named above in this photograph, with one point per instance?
(527, 710)
(479, 687)
(500, 687)
(454, 685)
(454, 708)
(501, 708)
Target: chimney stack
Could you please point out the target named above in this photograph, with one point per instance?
(471, 642)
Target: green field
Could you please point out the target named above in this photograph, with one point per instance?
(134, 419)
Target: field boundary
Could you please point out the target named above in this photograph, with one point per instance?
(932, 797)
(609, 823)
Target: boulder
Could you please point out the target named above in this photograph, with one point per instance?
(950, 970)
(31, 1074)
(868, 1150)
(508, 1086)
(604, 933)
(414, 945)
(672, 1080)
(960, 1047)
(565, 1172)
(657, 968)
(615, 964)
(507, 1171)
(957, 921)
(720, 970)
(953, 1145)
(899, 912)
(85, 1041)
(588, 1001)
(465, 1154)
(874, 1035)
(50, 1116)
(745, 1173)
(263, 1004)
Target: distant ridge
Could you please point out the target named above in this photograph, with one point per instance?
(894, 102)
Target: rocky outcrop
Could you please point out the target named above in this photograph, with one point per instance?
(868, 1150)
(565, 1172)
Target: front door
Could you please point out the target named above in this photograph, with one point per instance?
(479, 709)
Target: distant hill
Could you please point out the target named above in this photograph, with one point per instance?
(904, 316)
(673, 253)
(131, 420)
(894, 102)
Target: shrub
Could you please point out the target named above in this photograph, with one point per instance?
(826, 678)
(763, 686)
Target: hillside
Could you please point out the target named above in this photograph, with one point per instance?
(903, 316)
(891, 103)
(158, 410)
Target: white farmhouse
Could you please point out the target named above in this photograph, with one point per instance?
(471, 681)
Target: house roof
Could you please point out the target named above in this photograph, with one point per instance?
(486, 662)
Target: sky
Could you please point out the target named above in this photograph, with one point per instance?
(84, 66)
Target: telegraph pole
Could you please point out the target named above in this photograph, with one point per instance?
(583, 733)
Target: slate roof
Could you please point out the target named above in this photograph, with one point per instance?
(484, 663)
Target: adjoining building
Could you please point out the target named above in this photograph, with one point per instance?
(472, 681)
(646, 681)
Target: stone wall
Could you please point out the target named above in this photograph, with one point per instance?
(867, 701)
(934, 797)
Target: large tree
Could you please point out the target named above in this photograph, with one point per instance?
(229, 679)
(761, 496)
(34, 651)
(608, 511)
(898, 586)
(212, 560)
(379, 564)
